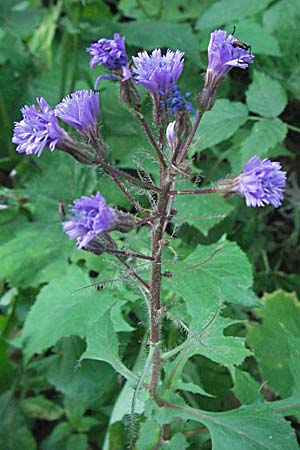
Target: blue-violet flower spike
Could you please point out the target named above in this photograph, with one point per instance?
(157, 72)
(38, 129)
(80, 110)
(262, 182)
(91, 216)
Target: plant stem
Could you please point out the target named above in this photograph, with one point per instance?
(155, 287)
(129, 253)
(151, 138)
(188, 142)
(133, 272)
(193, 191)
(121, 173)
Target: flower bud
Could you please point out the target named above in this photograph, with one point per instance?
(171, 136)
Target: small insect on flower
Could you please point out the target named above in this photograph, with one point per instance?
(240, 44)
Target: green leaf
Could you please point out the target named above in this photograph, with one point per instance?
(212, 273)
(262, 43)
(264, 136)
(266, 96)
(291, 406)
(220, 123)
(40, 407)
(57, 440)
(177, 442)
(61, 310)
(153, 34)
(13, 428)
(280, 318)
(246, 389)
(226, 11)
(149, 435)
(201, 211)
(253, 427)
(86, 382)
(43, 245)
(77, 441)
(102, 345)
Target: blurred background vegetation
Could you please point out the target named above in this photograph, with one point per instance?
(43, 53)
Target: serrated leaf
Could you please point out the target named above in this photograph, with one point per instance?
(220, 123)
(266, 96)
(253, 427)
(61, 310)
(209, 274)
(226, 11)
(201, 211)
(103, 345)
(280, 317)
(264, 135)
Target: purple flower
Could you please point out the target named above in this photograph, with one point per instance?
(262, 182)
(111, 54)
(39, 128)
(157, 72)
(223, 55)
(91, 216)
(80, 110)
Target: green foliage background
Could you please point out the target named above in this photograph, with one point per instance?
(70, 358)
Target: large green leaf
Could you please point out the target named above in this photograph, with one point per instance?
(61, 310)
(280, 318)
(209, 274)
(264, 135)
(103, 345)
(39, 250)
(220, 123)
(201, 211)
(154, 34)
(86, 382)
(266, 96)
(253, 427)
(226, 11)
(291, 406)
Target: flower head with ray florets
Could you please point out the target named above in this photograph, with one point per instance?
(157, 72)
(91, 216)
(38, 129)
(80, 110)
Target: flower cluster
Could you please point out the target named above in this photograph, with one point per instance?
(174, 102)
(261, 182)
(39, 128)
(157, 72)
(79, 110)
(91, 216)
(111, 54)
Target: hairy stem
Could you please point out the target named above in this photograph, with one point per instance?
(151, 138)
(155, 287)
(188, 142)
(193, 191)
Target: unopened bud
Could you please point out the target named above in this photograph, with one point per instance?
(171, 136)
